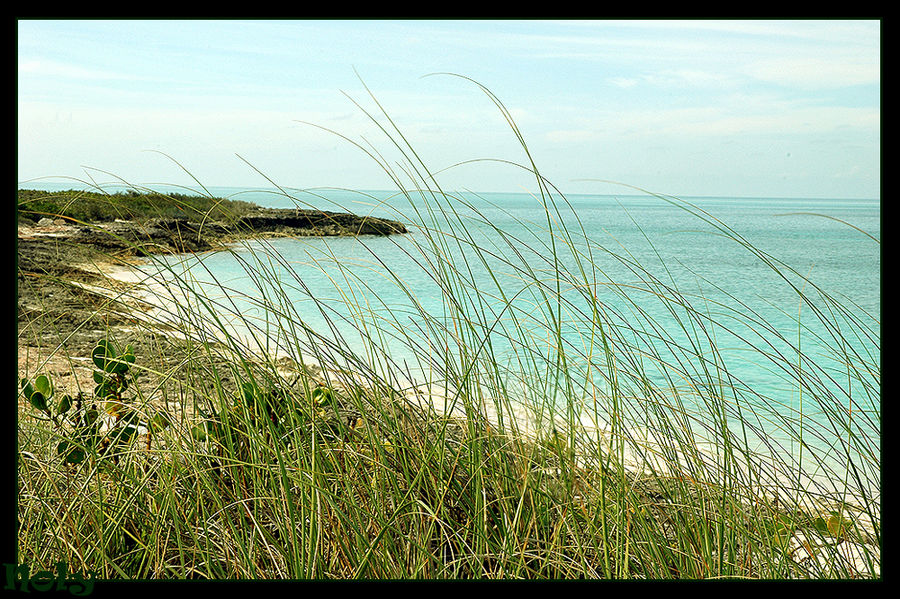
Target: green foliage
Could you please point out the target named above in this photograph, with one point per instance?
(835, 525)
(110, 378)
(266, 415)
(78, 421)
(39, 393)
(88, 206)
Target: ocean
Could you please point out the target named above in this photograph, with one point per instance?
(739, 298)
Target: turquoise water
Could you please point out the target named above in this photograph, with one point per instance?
(700, 298)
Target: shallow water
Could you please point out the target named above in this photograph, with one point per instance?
(701, 299)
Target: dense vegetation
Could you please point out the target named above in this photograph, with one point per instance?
(98, 206)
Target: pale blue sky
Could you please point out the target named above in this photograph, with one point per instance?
(721, 108)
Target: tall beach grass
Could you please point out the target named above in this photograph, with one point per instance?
(555, 423)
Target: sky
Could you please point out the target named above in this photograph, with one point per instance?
(687, 108)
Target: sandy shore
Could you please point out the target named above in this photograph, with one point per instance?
(86, 295)
(639, 447)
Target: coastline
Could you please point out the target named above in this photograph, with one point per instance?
(638, 453)
(76, 281)
(115, 283)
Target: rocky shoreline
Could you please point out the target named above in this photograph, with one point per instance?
(166, 235)
(63, 299)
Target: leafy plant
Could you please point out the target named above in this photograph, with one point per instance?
(110, 378)
(78, 422)
(833, 524)
(269, 413)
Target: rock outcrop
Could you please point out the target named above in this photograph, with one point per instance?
(316, 222)
(177, 235)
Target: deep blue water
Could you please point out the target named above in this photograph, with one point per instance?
(647, 258)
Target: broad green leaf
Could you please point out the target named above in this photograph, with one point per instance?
(119, 365)
(103, 355)
(72, 454)
(321, 395)
(38, 400)
(64, 404)
(129, 417)
(42, 385)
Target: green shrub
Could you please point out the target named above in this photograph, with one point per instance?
(77, 420)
